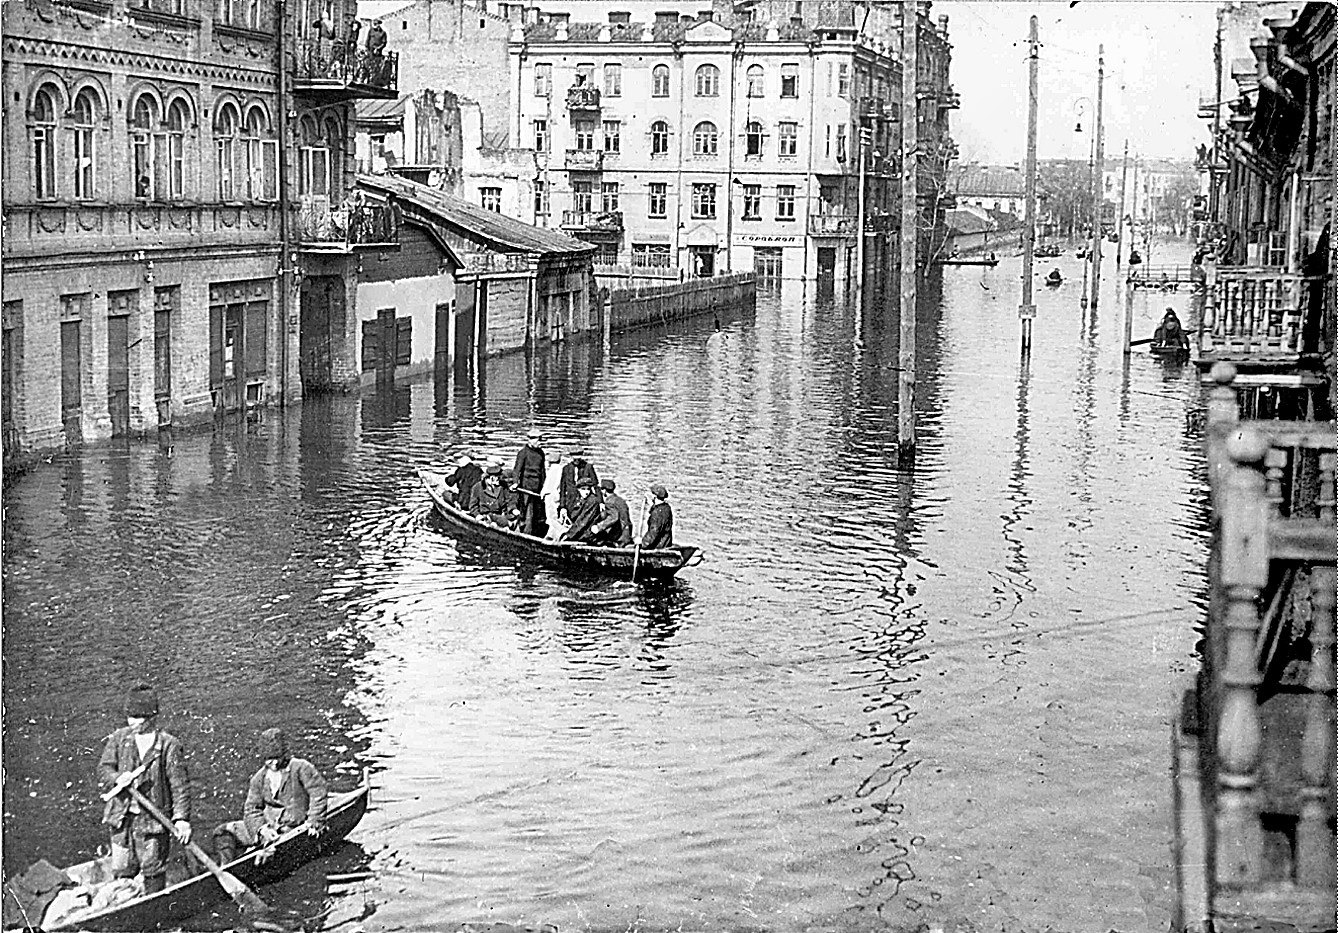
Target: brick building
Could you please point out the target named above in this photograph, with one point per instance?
(177, 241)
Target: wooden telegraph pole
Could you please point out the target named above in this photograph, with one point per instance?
(1027, 310)
(1119, 213)
(910, 162)
(1098, 170)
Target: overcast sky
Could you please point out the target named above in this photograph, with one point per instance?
(1159, 56)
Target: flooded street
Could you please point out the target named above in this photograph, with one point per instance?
(887, 697)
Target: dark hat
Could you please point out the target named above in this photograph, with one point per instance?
(585, 482)
(659, 492)
(494, 469)
(141, 702)
(272, 744)
(607, 484)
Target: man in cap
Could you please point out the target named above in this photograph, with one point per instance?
(466, 476)
(659, 521)
(530, 474)
(490, 501)
(286, 793)
(614, 527)
(576, 469)
(144, 756)
(586, 513)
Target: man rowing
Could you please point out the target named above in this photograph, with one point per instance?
(286, 793)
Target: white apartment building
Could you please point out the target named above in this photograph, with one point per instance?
(682, 141)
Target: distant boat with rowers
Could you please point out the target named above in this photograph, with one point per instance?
(991, 260)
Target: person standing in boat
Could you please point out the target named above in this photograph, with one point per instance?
(1169, 332)
(586, 515)
(466, 476)
(530, 475)
(614, 527)
(552, 499)
(286, 793)
(154, 762)
(575, 470)
(489, 500)
(660, 520)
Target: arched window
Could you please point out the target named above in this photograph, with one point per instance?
(262, 157)
(705, 139)
(659, 81)
(334, 137)
(43, 129)
(756, 81)
(753, 134)
(178, 119)
(82, 120)
(145, 123)
(313, 161)
(226, 125)
(708, 81)
(659, 138)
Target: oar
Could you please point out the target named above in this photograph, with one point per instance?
(636, 548)
(247, 901)
(1139, 343)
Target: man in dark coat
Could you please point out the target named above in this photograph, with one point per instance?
(586, 513)
(659, 521)
(489, 500)
(466, 476)
(139, 843)
(575, 469)
(614, 527)
(530, 472)
(284, 794)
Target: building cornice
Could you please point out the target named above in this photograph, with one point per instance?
(54, 52)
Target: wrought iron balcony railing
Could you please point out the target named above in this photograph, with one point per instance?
(585, 160)
(582, 97)
(353, 225)
(831, 225)
(337, 70)
(593, 220)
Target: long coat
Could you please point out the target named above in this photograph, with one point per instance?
(616, 513)
(303, 797)
(583, 519)
(165, 782)
(575, 469)
(465, 478)
(530, 468)
(659, 526)
(487, 503)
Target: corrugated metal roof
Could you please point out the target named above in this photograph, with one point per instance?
(999, 181)
(377, 111)
(509, 234)
(960, 220)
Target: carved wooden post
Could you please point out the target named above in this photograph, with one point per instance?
(1243, 531)
(1275, 461)
(1314, 830)
(1223, 414)
(1208, 325)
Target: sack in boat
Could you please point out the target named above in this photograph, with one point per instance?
(27, 896)
(70, 905)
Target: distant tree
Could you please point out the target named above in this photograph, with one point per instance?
(1175, 201)
(1066, 186)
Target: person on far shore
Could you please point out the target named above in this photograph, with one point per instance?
(659, 521)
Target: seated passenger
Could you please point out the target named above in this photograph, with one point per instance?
(585, 514)
(286, 793)
(1170, 333)
(659, 521)
(489, 501)
(574, 470)
(614, 527)
(462, 481)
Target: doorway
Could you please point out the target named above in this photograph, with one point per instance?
(703, 261)
(826, 272)
(71, 381)
(323, 306)
(118, 374)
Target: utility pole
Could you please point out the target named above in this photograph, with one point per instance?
(1098, 171)
(910, 164)
(1027, 311)
(1119, 211)
(1217, 120)
(859, 217)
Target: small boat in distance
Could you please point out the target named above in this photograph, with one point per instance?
(632, 563)
(990, 260)
(189, 894)
(1054, 279)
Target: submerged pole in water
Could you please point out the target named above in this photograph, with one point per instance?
(1027, 311)
(1098, 172)
(910, 164)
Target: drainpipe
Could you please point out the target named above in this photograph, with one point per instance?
(734, 57)
(285, 237)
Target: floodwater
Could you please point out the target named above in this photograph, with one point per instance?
(891, 696)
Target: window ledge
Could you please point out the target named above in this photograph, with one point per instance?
(243, 32)
(92, 6)
(166, 19)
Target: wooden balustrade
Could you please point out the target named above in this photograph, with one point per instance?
(1253, 313)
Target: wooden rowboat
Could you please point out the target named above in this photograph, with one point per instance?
(660, 563)
(1169, 351)
(188, 896)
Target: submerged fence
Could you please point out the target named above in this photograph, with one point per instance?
(660, 304)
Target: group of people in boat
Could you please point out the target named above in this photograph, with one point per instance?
(142, 769)
(543, 496)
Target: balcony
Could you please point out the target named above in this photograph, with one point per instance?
(351, 226)
(1254, 318)
(831, 225)
(331, 72)
(585, 160)
(872, 108)
(593, 221)
(581, 98)
(951, 100)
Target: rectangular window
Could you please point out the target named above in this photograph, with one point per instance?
(582, 197)
(585, 137)
(841, 142)
(620, 19)
(785, 202)
(141, 153)
(541, 198)
(650, 255)
(613, 80)
(83, 162)
(608, 196)
(165, 302)
(607, 255)
(543, 79)
(226, 191)
(612, 129)
(703, 200)
(789, 138)
(44, 162)
(789, 81)
(585, 75)
(256, 337)
(659, 199)
(540, 135)
(828, 150)
(659, 81)
(491, 199)
(752, 202)
(843, 79)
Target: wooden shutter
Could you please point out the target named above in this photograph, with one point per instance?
(371, 344)
(403, 341)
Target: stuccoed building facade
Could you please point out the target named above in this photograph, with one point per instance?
(723, 141)
(178, 243)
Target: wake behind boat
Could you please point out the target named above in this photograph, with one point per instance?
(623, 562)
(76, 908)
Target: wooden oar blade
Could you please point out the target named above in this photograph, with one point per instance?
(247, 901)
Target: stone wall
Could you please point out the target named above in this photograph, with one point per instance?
(639, 307)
